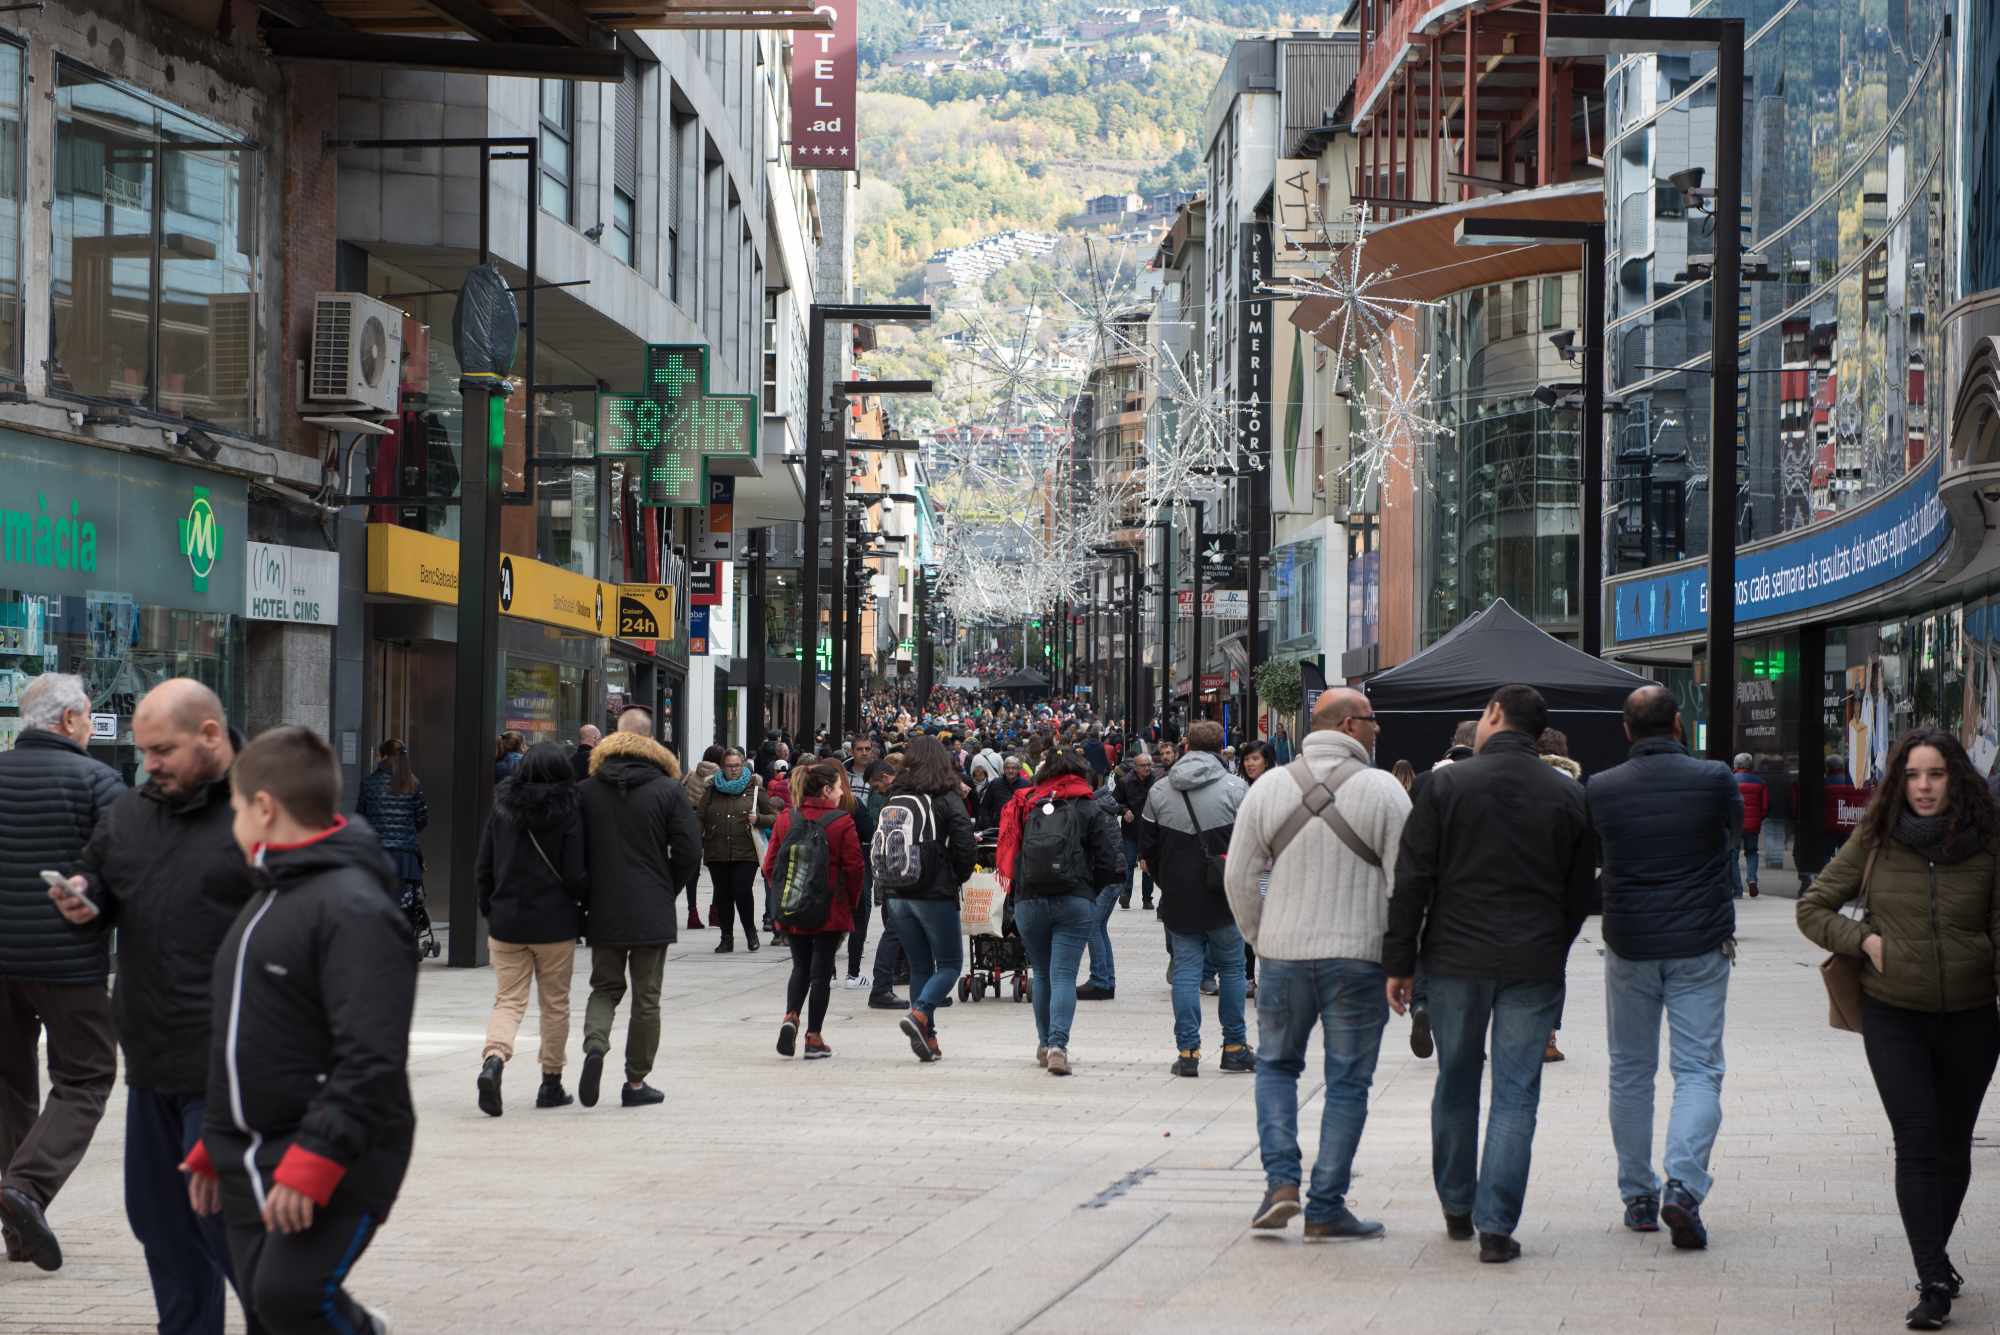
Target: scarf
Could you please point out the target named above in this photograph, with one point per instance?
(731, 787)
(1933, 838)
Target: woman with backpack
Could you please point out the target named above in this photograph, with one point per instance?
(1058, 845)
(732, 805)
(532, 875)
(1927, 936)
(926, 822)
(814, 862)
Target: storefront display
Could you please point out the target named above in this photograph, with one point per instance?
(123, 569)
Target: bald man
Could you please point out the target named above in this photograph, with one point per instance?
(163, 868)
(636, 718)
(587, 736)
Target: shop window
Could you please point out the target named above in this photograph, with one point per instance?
(13, 141)
(152, 289)
(558, 138)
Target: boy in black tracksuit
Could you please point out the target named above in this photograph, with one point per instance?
(309, 1121)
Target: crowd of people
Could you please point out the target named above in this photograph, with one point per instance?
(266, 978)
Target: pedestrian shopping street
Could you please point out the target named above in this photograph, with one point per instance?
(871, 1193)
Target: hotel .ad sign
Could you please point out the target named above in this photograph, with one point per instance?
(824, 66)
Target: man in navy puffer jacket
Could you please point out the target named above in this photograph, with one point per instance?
(1666, 823)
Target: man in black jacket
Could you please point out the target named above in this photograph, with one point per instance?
(52, 972)
(644, 841)
(1666, 823)
(1131, 789)
(164, 870)
(1494, 875)
(587, 738)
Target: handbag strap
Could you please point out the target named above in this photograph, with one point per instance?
(1867, 872)
(544, 856)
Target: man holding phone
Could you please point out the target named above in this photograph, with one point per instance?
(164, 869)
(52, 972)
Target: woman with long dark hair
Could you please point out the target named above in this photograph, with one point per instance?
(392, 801)
(822, 798)
(926, 914)
(1927, 934)
(732, 806)
(532, 875)
(508, 749)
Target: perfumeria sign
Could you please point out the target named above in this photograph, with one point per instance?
(1824, 565)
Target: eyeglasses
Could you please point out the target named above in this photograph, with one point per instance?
(1363, 718)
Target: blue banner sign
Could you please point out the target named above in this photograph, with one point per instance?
(1826, 565)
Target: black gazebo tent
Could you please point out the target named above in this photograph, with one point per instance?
(1422, 700)
(1026, 682)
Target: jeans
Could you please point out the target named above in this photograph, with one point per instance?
(928, 930)
(811, 981)
(1345, 998)
(888, 954)
(1131, 865)
(1932, 1071)
(857, 940)
(1102, 974)
(1492, 1185)
(1220, 949)
(1054, 931)
(1693, 993)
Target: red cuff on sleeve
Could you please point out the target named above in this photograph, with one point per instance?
(198, 1161)
(314, 1174)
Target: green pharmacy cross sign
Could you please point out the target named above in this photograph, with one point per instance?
(677, 426)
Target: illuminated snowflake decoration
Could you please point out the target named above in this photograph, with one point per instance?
(1398, 429)
(1010, 375)
(1361, 311)
(1103, 301)
(1197, 438)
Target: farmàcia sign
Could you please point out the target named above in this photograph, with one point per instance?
(58, 541)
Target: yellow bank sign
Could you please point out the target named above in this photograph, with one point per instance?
(407, 563)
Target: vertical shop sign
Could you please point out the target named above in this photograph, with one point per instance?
(1253, 349)
(824, 65)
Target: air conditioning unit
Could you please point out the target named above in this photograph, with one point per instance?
(356, 353)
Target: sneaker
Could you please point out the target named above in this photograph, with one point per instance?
(886, 1001)
(1933, 1309)
(768, 927)
(1280, 1204)
(1498, 1248)
(642, 1097)
(552, 1094)
(1458, 1227)
(1343, 1227)
(918, 1030)
(1058, 1062)
(1642, 1214)
(1552, 1053)
(1041, 1057)
(816, 1048)
(725, 947)
(593, 1072)
(1250, 990)
(1237, 1058)
(1092, 992)
(1188, 1063)
(931, 1045)
(1124, 901)
(788, 1034)
(490, 1071)
(855, 980)
(1211, 987)
(1956, 1281)
(1421, 1042)
(378, 1318)
(23, 1213)
(1681, 1213)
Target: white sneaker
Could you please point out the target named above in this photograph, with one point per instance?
(856, 980)
(380, 1319)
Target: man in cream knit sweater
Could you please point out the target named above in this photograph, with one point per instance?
(1317, 929)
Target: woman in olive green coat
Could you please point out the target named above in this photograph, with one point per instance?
(1928, 850)
(731, 805)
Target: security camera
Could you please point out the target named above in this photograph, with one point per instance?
(1564, 341)
(1687, 181)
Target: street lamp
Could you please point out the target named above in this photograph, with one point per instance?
(1604, 35)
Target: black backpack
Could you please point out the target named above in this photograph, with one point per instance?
(1054, 859)
(803, 874)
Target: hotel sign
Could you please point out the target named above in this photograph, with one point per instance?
(824, 66)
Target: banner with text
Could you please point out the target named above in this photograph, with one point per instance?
(1229, 604)
(824, 66)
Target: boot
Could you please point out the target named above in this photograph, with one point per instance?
(694, 919)
(552, 1094)
(489, 1085)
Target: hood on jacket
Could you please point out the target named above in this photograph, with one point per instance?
(1069, 785)
(1197, 769)
(350, 843)
(638, 754)
(1566, 765)
(542, 806)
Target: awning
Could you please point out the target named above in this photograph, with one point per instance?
(1427, 265)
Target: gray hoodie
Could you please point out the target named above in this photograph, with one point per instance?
(1214, 792)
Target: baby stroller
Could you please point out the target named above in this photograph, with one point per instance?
(994, 956)
(410, 868)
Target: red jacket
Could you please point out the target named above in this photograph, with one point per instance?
(1756, 800)
(844, 846)
(1014, 814)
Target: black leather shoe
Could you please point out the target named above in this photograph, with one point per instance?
(1092, 992)
(644, 1096)
(15, 1250)
(1498, 1248)
(552, 1094)
(886, 1001)
(1458, 1227)
(725, 947)
(490, 1072)
(23, 1214)
(1420, 1032)
(593, 1072)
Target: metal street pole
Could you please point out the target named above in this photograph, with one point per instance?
(1194, 643)
(1728, 287)
(757, 642)
(1165, 523)
(857, 583)
(817, 410)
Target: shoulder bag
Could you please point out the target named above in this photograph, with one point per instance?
(1842, 973)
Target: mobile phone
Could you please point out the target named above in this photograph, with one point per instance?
(60, 883)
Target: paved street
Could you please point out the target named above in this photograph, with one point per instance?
(870, 1193)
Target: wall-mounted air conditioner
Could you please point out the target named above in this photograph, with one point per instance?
(356, 353)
